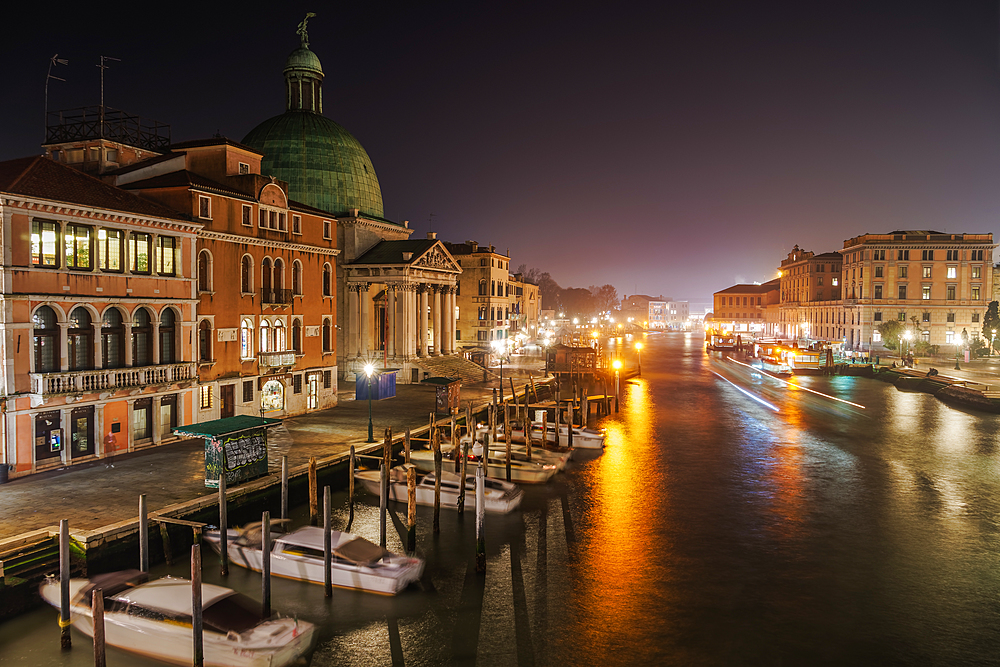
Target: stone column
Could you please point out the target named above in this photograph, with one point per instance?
(157, 400)
(353, 335)
(449, 346)
(390, 319)
(128, 425)
(127, 325)
(66, 425)
(422, 320)
(409, 322)
(365, 343)
(99, 431)
(437, 319)
(63, 346)
(98, 348)
(155, 325)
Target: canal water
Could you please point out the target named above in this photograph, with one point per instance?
(732, 519)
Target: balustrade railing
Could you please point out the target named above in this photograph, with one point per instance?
(109, 379)
(276, 296)
(275, 359)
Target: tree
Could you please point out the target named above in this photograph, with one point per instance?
(577, 302)
(991, 322)
(605, 297)
(891, 332)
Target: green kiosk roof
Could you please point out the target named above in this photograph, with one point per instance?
(218, 427)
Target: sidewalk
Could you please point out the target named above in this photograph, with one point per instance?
(984, 370)
(95, 495)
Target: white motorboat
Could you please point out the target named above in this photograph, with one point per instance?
(153, 619)
(559, 458)
(583, 438)
(524, 472)
(355, 562)
(500, 496)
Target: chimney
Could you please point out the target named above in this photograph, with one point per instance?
(407, 256)
(474, 245)
(432, 235)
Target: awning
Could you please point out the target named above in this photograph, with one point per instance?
(220, 427)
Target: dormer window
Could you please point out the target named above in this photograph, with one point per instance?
(244, 168)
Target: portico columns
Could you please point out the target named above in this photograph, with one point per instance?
(390, 319)
(404, 321)
(448, 320)
(422, 321)
(353, 335)
(366, 307)
(437, 318)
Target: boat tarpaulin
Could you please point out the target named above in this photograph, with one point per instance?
(360, 551)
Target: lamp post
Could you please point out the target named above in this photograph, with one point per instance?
(906, 336)
(638, 351)
(617, 365)
(369, 371)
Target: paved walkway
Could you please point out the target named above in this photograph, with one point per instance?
(94, 495)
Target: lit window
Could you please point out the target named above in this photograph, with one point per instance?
(949, 337)
(975, 292)
(952, 272)
(977, 271)
(77, 244)
(206, 396)
(109, 244)
(834, 281)
(925, 292)
(140, 248)
(246, 339)
(927, 272)
(44, 243)
(165, 255)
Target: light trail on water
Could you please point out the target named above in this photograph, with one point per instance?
(797, 386)
(756, 398)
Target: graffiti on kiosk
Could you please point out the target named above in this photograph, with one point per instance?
(244, 450)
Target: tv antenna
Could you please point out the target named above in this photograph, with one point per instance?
(53, 61)
(103, 67)
(430, 221)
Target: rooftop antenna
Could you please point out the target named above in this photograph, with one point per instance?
(430, 221)
(103, 67)
(53, 61)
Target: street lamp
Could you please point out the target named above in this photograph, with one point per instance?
(369, 371)
(638, 351)
(617, 365)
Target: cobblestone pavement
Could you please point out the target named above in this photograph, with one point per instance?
(97, 494)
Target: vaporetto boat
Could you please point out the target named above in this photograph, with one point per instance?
(153, 619)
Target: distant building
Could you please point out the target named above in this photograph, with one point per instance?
(484, 295)
(810, 296)
(527, 302)
(743, 308)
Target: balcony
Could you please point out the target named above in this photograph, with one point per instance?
(111, 379)
(276, 297)
(277, 359)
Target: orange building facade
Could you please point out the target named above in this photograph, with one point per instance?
(98, 316)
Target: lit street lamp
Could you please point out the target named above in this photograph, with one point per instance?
(617, 365)
(369, 371)
(638, 351)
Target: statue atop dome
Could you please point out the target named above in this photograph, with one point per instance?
(301, 30)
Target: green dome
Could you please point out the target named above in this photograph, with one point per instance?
(324, 164)
(303, 59)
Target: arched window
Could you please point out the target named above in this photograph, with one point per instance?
(79, 335)
(142, 338)
(279, 275)
(265, 336)
(265, 280)
(46, 340)
(113, 339)
(296, 277)
(297, 336)
(246, 339)
(246, 275)
(482, 288)
(204, 271)
(167, 321)
(205, 340)
(326, 335)
(279, 337)
(327, 281)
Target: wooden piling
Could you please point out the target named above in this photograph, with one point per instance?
(454, 437)
(406, 446)
(168, 555)
(350, 487)
(569, 425)
(284, 488)
(461, 484)
(387, 448)
(527, 429)
(196, 607)
(65, 641)
(411, 510)
(436, 444)
(382, 501)
(223, 526)
(143, 535)
(480, 516)
(97, 614)
(265, 564)
(506, 436)
(534, 390)
(328, 542)
(313, 493)
(545, 429)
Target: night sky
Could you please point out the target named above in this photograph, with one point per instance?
(665, 148)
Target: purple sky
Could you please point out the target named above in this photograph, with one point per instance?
(665, 150)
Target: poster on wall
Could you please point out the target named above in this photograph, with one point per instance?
(243, 456)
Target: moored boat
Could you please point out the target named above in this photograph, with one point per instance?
(356, 563)
(524, 472)
(153, 619)
(583, 438)
(500, 496)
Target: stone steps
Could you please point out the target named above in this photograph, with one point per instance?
(454, 366)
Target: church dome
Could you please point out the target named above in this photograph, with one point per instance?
(324, 165)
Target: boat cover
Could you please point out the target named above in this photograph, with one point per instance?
(360, 551)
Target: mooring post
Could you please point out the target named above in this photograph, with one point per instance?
(97, 614)
(284, 488)
(387, 448)
(569, 426)
(411, 510)
(350, 487)
(168, 555)
(223, 525)
(406, 446)
(65, 641)
(455, 451)
(313, 493)
(545, 429)
(506, 437)
(436, 444)
(470, 425)
(461, 484)
(196, 621)
(383, 476)
(328, 542)
(265, 564)
(527, 430)
(480, 516)
(143, 535)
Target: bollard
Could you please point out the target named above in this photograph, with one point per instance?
(265, 564)
(97, 614)
(506, 436)
(223, 526)
(383, 493)
(436, 443)
(406, 446)
(350, 487)
(143, 535)
(411, 510)
(327, 542)
(284, 488)
(65, 642)
(313, 493)
(196, 609)
(464, 455)
(480, 515)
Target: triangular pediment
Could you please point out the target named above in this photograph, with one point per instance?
(437, 257)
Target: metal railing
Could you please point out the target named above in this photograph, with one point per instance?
(72, 382)
(276, 296)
